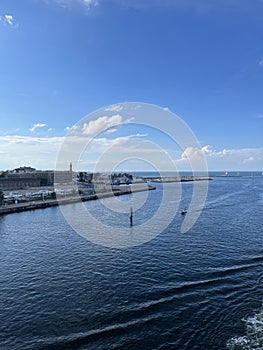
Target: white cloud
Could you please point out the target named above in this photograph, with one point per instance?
(72, 129)
(230, 159)
(8, 20)
(261, 63)
(111, 131)
(101, 124)
(249, 160)
(41, 152)
(37, 126)
(141, 135)
(96, 126)
(129, 149)
(35, 151)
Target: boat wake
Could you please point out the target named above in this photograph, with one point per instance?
(253, 340)
(220, 201)
(223, 198)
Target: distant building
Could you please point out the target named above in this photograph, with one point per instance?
(102, 182)
(46, 177)
(64, 177)
(84, 177)
(18, 183)
(26, 176)
(23, 169)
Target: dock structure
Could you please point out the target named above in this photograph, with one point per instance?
(167, 179)
(32, 205)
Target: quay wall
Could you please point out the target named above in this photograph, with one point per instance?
(32, 205)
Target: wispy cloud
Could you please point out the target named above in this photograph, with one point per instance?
(89, 4)
(10, 132)
(99, 125)
(37, 126)
(260, 63)
(41, 152)
(8, 20)
(200, 7)
(114, 108)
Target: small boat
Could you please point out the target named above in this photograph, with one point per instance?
(183, 211)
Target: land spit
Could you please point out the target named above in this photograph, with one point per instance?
(121, 190)
(41, 204)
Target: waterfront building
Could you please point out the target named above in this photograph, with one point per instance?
(18, 183)
(64, 177)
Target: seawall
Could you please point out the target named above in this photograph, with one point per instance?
(33, 205)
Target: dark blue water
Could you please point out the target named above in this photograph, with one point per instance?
(178, 291)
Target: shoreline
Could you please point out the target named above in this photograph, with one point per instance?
(33, 205)
(168, 179)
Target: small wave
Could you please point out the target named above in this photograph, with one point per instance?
(73, 340)
(253, 340)
(260, 201)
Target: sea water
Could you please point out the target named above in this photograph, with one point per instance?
(198, 290)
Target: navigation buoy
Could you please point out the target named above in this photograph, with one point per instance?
(131, 216)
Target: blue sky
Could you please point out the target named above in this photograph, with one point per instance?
(62, 59)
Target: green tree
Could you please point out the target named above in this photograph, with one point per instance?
(53, 195)
(81, 176)
(1, 197)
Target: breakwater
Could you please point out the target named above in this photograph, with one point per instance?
(168, 179)
(32, 205)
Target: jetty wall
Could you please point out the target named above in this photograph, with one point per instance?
(33, 205)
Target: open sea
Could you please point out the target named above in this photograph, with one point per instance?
(199, 290)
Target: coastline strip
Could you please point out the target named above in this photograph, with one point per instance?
(16, 208)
